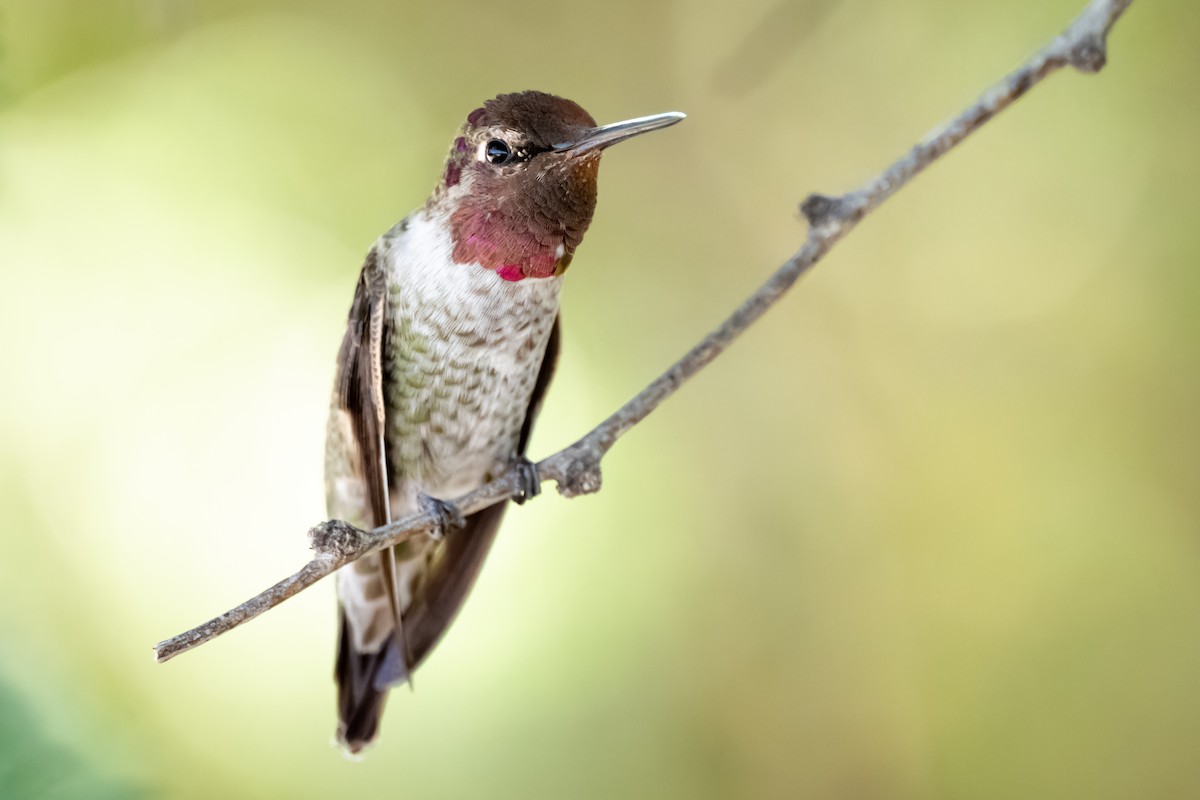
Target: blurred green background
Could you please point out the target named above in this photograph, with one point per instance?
(929, 530)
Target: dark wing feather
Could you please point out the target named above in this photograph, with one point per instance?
(360, 393)
(360, 381)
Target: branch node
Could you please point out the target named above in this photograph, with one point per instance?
(337, 539)
(1089, 55)
(820, 209)
(581, 472)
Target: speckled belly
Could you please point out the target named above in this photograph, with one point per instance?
(461, 381)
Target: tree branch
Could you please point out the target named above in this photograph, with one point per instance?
(576, 468)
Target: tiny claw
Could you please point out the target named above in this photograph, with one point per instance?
(446, 516)
(529, 479)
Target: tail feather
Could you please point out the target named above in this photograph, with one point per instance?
(364, 678)
(363, 681)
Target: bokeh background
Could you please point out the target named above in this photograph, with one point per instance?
(929, 530)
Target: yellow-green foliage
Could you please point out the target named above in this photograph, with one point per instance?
(930, 530)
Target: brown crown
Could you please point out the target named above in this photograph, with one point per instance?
(545, 118)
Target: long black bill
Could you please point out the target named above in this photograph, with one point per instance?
(606, 135)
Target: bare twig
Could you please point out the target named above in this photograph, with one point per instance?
(576, 468)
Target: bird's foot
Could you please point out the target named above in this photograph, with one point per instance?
(529, 480)
(446, 516)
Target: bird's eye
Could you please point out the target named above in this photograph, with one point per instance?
(497, 152)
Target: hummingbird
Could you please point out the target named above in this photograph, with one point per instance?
(450, 343)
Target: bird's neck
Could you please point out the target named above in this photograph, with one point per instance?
(513, 248)
(424, 258)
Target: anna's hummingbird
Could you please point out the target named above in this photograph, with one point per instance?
(450, 344)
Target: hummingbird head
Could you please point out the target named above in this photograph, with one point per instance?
(519, 187)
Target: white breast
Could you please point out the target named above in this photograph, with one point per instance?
(462, 361)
